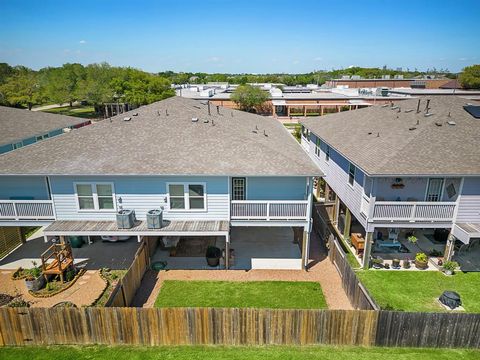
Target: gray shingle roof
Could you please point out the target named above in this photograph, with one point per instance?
(429, 149)
(18, 124)
(153, 143)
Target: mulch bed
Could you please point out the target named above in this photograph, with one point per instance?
(194, 246)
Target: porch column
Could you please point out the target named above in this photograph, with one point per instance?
(449, 248)
(304, 111)
(305, 247)
(274, 114)
(321, 110)
(348, 223)
(45, 238)
(62, 239)
(317, 192)
(336, 211)
(327, 192)
(139, 238)
(288, 111)
(227, 251)
(368, 250)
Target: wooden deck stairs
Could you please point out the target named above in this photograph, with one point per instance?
(56, 260)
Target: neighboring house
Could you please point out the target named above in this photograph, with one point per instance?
(413, 168)
(237, 180)
(19, 127)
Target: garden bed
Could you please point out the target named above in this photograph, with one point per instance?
(111, 277)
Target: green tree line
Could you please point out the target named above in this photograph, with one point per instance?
(95, 84)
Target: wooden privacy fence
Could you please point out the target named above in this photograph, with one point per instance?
(126, 288)
(356, 292)
(218, 326)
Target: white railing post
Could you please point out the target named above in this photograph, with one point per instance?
(15, 210)
(268, 210)
(413, 213)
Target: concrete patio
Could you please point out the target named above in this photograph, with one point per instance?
(94, 256)
(254, 248)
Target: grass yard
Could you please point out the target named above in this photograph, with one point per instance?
(418, 290)
(231, 353)
(86, 112)
(252, 294)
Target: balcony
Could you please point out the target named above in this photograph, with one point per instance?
(269, 210)
(413, 211)
(26, 210)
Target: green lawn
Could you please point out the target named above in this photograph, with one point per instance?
(231, 353)
(257, 294)
(418, 290)
(86, 112)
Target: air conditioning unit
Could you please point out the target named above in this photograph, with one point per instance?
(126, 219)
(155, 219)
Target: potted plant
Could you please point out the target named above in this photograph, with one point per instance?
(406, 264)
(34, 280)
(449, 267)
(396, 263)
(421, 261)
(213, 256)
(377, 263)
(412, 239)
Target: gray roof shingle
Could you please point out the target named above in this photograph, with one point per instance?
(433, 148)
(18, 124)
(153, 143)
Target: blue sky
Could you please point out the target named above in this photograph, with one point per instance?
(242, 36)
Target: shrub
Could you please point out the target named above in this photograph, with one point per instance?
(421, 257)
(34, 272)
(413, 239)
(69, 275)
(450, 265)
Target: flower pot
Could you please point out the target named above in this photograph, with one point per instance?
(421, 265)
(35, 284)
(213, 261)
(448, 272)
(396, 264)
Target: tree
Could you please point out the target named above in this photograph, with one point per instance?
(62, 84)
(248, 97)
(22, 89)
(470, 77)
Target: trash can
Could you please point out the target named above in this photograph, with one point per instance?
(75, 241)
(155, 219)
(450, 299)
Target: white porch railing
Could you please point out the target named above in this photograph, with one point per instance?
(413, 211)
(26, 210)
(269, 210)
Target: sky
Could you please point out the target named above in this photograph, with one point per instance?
(249, 36)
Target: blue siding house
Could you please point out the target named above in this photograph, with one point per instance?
(234, 179)
(397, 171)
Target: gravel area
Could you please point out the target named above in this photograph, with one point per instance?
(85, 290)
(321, 270)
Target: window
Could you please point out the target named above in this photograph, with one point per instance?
(17, 145)
(186, 196)
(239, 189)
(351, 174)
(41, 137)
(305, 133)
(95, 196)
(327, 153)
(318, 146)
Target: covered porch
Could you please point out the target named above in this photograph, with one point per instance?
(252, 247)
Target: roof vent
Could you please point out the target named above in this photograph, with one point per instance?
(205, 121)
(408, 110)
(427, 114)
(265, 133)
(395, 107)
(127, 118)
(452, 123)
(438, 123)
(412, 128)
(135, 114)
(194, 119)
(385, 105)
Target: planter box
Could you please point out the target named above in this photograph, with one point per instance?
(125, 219)
(36, 284)
(155, 219)
(421, 265)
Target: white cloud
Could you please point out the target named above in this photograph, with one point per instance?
(318, 58)
(83, 41)
(463, 59)
(295, 62)
(214, 59)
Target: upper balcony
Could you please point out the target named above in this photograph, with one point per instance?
(268, 210)
(408, 211)
(16, 210)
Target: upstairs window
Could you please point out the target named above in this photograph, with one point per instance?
(351, 174)
(17, 145)
(327, 153)
(318, 146)
(185, 196)
(239, 188)
(95, 196)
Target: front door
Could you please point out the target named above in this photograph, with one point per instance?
(239, 188)
(434, 190)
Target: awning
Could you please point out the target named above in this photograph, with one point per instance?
(279, 102)
(465, 231)
(109, 228)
